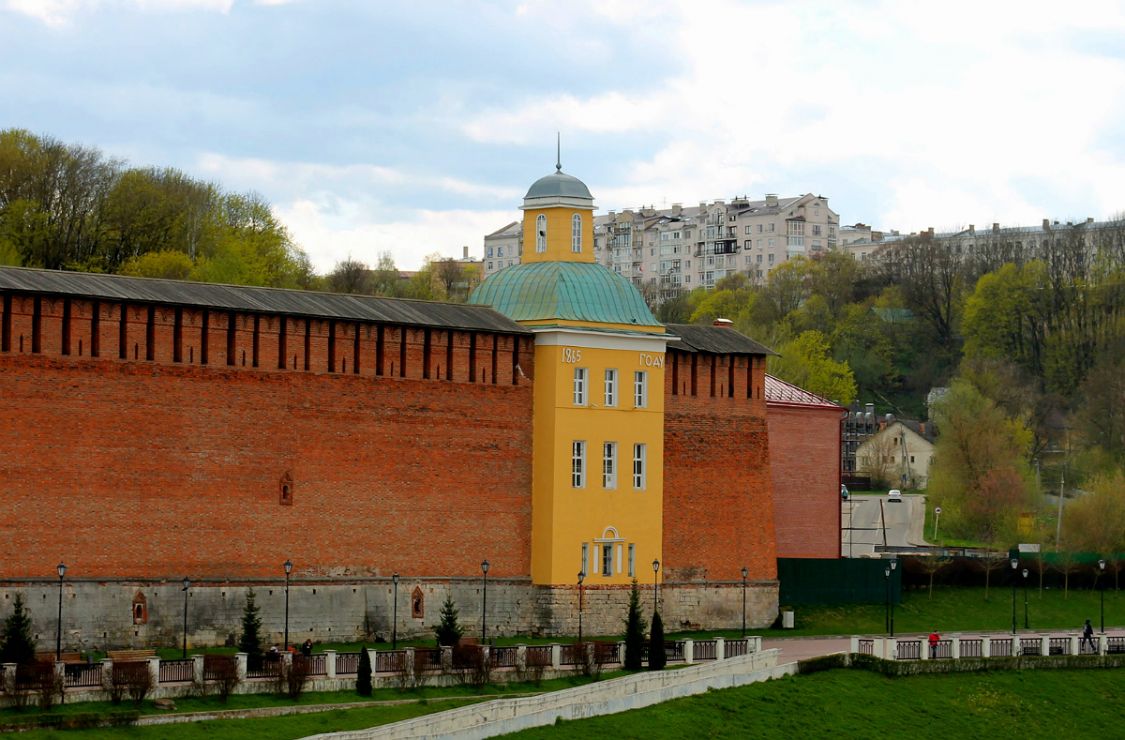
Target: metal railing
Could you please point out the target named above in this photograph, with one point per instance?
(318, 664)
(704, 650)
(1058, 646)
(172, 671)
(1031, 646)
(607, 652)
(908, 649)
(972, 648)
(393, 661)
(1115, 645)
(571, 654)
(734, 648)
(347, 663)
(427, 658)
(83, 676)
(1000, 647)
(538, 655)
(866, 646)
(503, 657)
(943, 650)
(674, 651)
(270, 668)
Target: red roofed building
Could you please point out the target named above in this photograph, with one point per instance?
(804, 433)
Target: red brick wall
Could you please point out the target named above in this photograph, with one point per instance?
(163, 469)
(805, 459)
(718, 508)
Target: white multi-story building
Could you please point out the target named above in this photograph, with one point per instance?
(666, 250)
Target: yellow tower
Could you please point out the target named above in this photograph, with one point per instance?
(598, 427)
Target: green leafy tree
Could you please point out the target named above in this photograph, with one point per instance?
(17, 644)
(167, 263)
(350, 276)
(806, 362)
(250, 641)
(448, 630)
(657, 658)
(363, 674)
(386, 280)
(635, 626)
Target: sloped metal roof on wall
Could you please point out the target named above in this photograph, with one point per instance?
(716, 339)
(258, 300)
(780, 392)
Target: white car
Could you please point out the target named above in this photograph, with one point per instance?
(894, 495)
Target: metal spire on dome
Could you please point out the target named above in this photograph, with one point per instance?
(558, 151)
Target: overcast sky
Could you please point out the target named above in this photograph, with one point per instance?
(416, 127)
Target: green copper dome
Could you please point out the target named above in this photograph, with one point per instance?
(565, 291)
(558, 185)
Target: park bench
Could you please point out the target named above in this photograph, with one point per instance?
(68, 658)
(130, 656)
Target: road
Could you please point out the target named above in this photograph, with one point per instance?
(863, 520)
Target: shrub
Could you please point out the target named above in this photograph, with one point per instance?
(634, 631)
(223, 670)
(657, 658)
(535, 664)
(471, 667)
(296, 676)
(363, 673)
(48, 684)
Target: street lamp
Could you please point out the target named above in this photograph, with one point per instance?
(581, 577)
(187, 585)
(655, 585)
(1025, 623)
(394, 614)
(745, 573)
(58, 631)
(890, 586)
(937, 518)
(1101, 584)
(1015, 566)
(484, 606)
(288, 565)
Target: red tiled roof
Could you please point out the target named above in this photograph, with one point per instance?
(782, 393)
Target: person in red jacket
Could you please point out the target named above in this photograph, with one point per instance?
(934, 639)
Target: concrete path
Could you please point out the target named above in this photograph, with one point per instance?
(863, 518)
(800, 648)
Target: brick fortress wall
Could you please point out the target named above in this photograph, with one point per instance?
(804, 456)
(147, 441)
(718, 501)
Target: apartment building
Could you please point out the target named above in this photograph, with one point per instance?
(663, 251)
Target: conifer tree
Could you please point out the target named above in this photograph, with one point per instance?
(250, 642)
(634, 631)
(16, 644)
(656, 655)
(363, 675)
(448, 630)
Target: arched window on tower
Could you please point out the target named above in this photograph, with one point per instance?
(576, 233)
(540, 233)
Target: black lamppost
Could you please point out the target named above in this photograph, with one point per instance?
(187, 585)
(394, 614)
(890, 585)
(1026, 625)
(655, 585)
(484, 606)
(58, 630)
(1101, 585)
(288, 565)
(887, 599)
(581, 577)
(1015, 566)
(745, 573)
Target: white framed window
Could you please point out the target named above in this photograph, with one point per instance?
(578, 464)
(580, 377)
(632, 561)
(490, 251)
(607, 559)
(609, 465)
(576, 233)
(540, 233)
(639, 466)
(610, 387)
(640, 389)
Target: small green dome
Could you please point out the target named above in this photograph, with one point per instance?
(558, 185)
(566, 291)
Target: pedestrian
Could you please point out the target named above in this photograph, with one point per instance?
(934, 639)
(1087, 636)
(306, 648)
(273, 654)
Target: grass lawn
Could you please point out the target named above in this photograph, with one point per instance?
(857, 704)
(961, 610)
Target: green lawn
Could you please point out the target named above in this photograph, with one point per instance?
(960, 610)
(857, 704)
